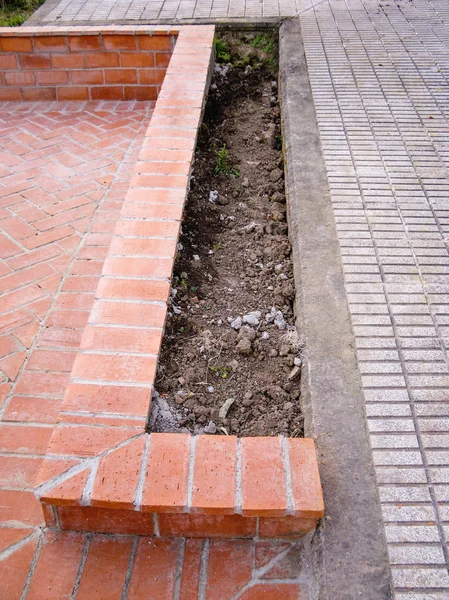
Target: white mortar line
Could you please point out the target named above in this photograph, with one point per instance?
(81, 566)
(142, 474)
(32, 566)
(238, 479)
(130, 568)
(85, 497)
(156, 525)
(191, 471)
(179, 565)
(203, 571)
(287, 475)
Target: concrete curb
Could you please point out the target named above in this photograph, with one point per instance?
(350, 549)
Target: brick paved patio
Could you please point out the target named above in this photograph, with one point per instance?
(379, 74)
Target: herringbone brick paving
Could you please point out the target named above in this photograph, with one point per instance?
(65, 171)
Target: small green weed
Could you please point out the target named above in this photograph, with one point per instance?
(222, 165)
(264, 42)
(15, 12)
(222, 372)
(222, 51)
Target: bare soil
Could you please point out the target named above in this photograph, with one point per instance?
(234, 258)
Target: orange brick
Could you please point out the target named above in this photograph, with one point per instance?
(154, 572)
(164, 155)
(128, 313)
(49, 384)
(155, 42)
(306, 484)
(37, 410)
(263, 479)
(143, 247)
(162, 167)
(120, 76)
(147, 228)
(52, 77)
(50, 43)
(52, 467)
(67, 493)
(87, 518)
(162, 59)
(109, 399)
(16, 44)
(67, 61)
(21, 508)
(107, 561)
(84, 42)
(151, 76)
(57, 566)
(117, 477)
(102, 59)
(166, 477)
(8, 61)
(204, 526)
(23, 439)
(285, 527)
(142, 93)
(19, 78)
(214, 483)
(11, 535)
(119, 42)
(151, 211)
(86, 441)
(34, 61)
(133, 289)
(107, 92)
(120, 368)
(51, 360)
(18, 472)
(39, 94)
(137, 59)
(91, 76)
(72, 93)
(237, 553)
(14, 570)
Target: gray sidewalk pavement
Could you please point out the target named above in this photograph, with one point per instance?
(379, 73)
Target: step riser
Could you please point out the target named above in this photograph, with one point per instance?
(104, 520)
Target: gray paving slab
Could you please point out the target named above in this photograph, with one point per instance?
(379, 78)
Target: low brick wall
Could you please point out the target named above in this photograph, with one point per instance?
(102, 471)
(84, 63)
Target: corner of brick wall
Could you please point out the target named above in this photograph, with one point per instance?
(102, 471)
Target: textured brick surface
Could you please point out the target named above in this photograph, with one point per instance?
(83, 63)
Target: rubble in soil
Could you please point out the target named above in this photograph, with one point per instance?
(230, 360)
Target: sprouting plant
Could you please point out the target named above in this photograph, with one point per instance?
(264, 42)
(216, 247)
(221, 51)
(222, 165)
(220, 371)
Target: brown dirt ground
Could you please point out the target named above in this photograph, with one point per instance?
(234, 257)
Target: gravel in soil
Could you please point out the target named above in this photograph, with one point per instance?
(230, 360)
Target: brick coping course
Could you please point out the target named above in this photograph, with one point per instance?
(102, 472)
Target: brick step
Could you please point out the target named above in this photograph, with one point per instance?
(171, 484)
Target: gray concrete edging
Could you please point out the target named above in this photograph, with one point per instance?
(349, 550)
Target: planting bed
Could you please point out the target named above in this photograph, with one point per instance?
(103, 471)
(234, 260)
